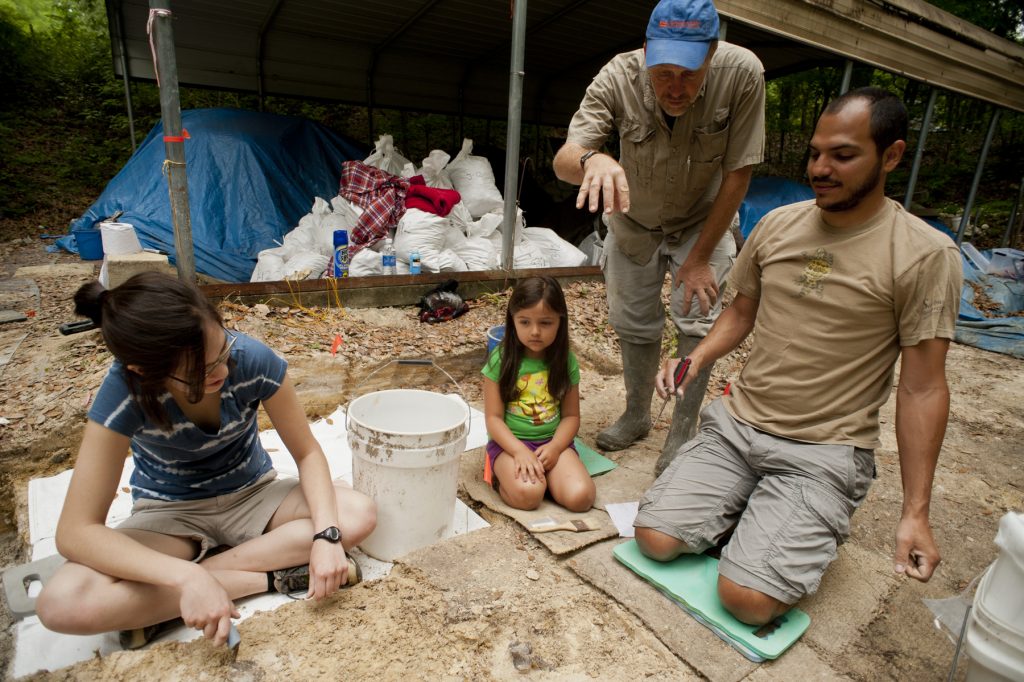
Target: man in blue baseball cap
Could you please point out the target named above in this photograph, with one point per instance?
(689, 113)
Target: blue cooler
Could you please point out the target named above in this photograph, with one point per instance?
(90, 243)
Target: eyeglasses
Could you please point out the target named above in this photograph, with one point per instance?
(224, 356)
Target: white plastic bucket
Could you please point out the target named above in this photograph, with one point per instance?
(406, 446)
(995, 635)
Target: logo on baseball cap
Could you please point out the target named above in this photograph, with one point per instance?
(680, 33)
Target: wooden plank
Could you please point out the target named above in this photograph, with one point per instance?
(865, 32)
(391, 290)
(930, 14)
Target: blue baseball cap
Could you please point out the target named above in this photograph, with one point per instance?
(680, 33)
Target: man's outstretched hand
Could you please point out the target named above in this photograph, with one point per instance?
(604, 181)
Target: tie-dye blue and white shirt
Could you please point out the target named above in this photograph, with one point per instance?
(186, 462)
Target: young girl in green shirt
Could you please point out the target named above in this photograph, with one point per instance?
(532, 403)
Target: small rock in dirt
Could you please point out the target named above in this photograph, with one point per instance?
(59, 458)
(533, 574)
(521, 659)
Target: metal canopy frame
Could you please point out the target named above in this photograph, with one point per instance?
(452, 56)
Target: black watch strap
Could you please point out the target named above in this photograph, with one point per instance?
(586, 155)
(332, 534)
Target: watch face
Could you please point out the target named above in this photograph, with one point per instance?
(331, 534)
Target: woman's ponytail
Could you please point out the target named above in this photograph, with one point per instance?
(89, 302)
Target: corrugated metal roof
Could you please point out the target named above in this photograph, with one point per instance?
(452, 56)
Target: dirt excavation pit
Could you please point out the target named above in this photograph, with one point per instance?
(474, 606)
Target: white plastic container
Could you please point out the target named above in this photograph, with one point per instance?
(976, 258)
(1006, 263)
(406, 446)
(995, 635)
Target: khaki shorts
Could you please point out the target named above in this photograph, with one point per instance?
(790, 502)
(229, 519)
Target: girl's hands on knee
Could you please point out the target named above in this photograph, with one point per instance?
(548, 456)
(528, 468)
(328, 569)
(205, 606)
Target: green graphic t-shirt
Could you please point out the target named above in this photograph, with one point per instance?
(534, 414)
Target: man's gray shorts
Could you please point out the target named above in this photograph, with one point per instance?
(790, 502)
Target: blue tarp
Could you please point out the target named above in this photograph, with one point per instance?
(251, 177)
(998, 334)
(766, 194)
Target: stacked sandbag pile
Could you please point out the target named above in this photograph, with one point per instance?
(468, 237)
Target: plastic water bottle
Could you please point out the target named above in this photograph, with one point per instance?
(414, 262)
(388, 259)
(339, 266)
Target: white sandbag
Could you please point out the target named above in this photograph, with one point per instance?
(433, 171)
(330, 223)
(489, 223)
(478, 253)
(409, 170)
(343, 206)
(365, 263)
(307, 234)
(386, 157)
(308, 265)
(473, 177)
(445, 260)
(303, 239)
(559, 253)
(461, 218)
(422, 231)
(527, 254)
(269, 266)
(453, 237)
(486, 225)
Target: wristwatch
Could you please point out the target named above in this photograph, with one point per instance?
(586, 155)
(332, 534)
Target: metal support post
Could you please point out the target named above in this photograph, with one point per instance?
(925, 126)
(847, 77)
(1011, 231)
(515, 120)
(122, 49)
(174, 141)
(965, 218)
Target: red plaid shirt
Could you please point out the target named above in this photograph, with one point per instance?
(380, 194)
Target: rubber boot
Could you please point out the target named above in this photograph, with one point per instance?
(686, 410)
(640, 363)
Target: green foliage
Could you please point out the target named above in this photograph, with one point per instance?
(29, 15)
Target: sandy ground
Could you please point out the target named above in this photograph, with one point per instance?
(453, 611)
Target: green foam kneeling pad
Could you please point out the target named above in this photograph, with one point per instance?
(594, 461)
(692, 580)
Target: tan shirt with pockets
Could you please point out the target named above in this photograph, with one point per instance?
(674, 175)
(835, 307)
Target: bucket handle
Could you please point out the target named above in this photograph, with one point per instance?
(417, 362)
